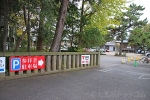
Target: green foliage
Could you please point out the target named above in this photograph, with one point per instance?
(80, 49)
(73, 49)
(92, 38)
(72, 23)
(140, 37)
(97, 15)
(116, 53)
(102, 13)
(124, 54)
(129, 21)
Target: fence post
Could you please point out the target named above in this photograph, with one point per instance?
(54, 63)
(91, 62)
(59, 61)
(73, 62)
(48, 63)
(69, 62)
(77, 61)
(64, 62)
(98, 59)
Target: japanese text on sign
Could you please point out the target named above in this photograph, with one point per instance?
(85, 59)
(2, 64)
(27, 63)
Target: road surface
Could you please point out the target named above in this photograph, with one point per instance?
(112, 81)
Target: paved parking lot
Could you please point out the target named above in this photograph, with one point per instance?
(127, 54)
(112, 81)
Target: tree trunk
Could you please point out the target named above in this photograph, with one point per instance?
(6, 7)
(59, 27)
(1, 39)
(2, 25)
(81, 23)
(121, 44)
(24, 32)
(28, 28)
(40, 38)
(72, 38)
(19, 41)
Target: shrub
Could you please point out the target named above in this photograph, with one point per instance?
(124, 54)
(116, 54)
(72, 49)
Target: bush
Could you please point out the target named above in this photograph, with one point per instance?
(124, 54)
(72, 49)
(116, 54)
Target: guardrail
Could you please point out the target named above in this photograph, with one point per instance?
(55, 62)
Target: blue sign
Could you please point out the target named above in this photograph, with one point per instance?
(2, 64)
(15, 64)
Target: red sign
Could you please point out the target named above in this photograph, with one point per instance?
(26, 63)
(85, 59)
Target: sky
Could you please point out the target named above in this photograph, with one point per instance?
(144, 3)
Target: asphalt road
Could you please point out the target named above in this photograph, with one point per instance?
(112, 81)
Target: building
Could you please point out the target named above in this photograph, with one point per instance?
(110, 46)
(126, 47)
(115, 45)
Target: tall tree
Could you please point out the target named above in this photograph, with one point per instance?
(98, 14)
(129, 21)
(72, 23)
(60, 26)
(140, 37)
(92, 38)
(27, 26)
(47, 16)
(1, 24)
(6, 19)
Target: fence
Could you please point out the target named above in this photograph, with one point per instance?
(55, 62)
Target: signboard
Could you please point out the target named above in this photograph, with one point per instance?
(85, 59)
(26, 63)
(129, 47)
(2, 64)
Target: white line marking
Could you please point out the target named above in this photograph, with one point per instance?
(122, 74)
(105, 70)
(141, 75)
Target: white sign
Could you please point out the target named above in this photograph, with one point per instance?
(129, 47)
(85, 59)
(2, 64)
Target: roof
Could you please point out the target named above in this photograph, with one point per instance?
(124, 41)
(110, 43)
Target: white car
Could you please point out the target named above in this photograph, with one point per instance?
(102, 50)
(148, 54)
(92, 49)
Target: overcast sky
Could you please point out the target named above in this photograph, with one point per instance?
(146, 4)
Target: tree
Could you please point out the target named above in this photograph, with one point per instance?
(41, 21)
(1, 24)
(72, 23)
(59, 27)
(26, 17)
(6, 19)
(48, 24)
(47, 11)
(92, 37)
(140, 37)
(98, 13)
(129, 21)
